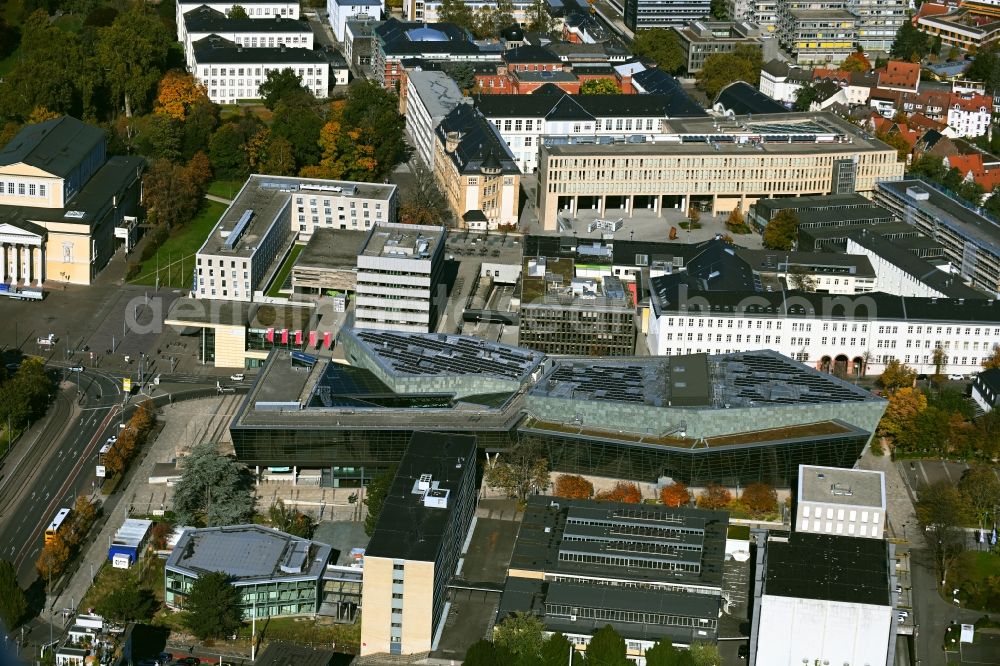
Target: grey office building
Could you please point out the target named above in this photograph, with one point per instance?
(645, 14)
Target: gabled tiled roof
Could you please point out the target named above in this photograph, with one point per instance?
(898, 74)
(479, 145)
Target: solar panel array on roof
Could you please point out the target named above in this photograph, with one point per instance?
(234, 236)
(765, 378)
(430, 354)
(621, 383)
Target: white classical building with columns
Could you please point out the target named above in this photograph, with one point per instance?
(64, 207)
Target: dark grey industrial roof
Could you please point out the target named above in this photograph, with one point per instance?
(55, 146)
(478, 142)
(206, 19)
(436, 354)
(406, 528)
(332, 248)
(279, 653)
(530, 53)
(828, 567)
(216, 49)
(248, 553)
(875, 306)
(556, 526)
(742, 98)
(817, 202)
(397, 38)
(991, 379)
(967, 222)
(658, 82)
(919, 269)
(574, 107)
(833, 263)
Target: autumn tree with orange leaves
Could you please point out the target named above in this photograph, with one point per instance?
(177, 93)
(714, 497)
(676, 494)
(623, 491)
(362, 138)
(573, 486)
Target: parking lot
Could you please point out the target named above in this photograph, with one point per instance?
(922, 473)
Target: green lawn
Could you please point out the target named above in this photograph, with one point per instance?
(306, 630)
(176, 256)
(286, 268)
(226, 189)
(976, 576)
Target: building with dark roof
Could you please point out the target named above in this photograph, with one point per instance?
(553, 116)
(903, 273)
(848, 335)
(276, 574)
(650, 571)
(823, 598)
(700, 419)
(245, 32)
(702, 38)
(820, 212)
(646, 14)
(64, 206)
(328, 262)
(280, 653)
(823, 272)
(339, 12)
(562, 313)
(970, 237)
(413, 552)
(476, 170)
(740, 98)
(231, 72)
(395, 40)
(986, 389)
(255, 9)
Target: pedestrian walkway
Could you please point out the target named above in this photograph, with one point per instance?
(212, 197)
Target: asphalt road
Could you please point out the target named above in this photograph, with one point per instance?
(48, 468)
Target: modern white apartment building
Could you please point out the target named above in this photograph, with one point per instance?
(248, 245)
(247, 33)
(823, 599)
(342, 11)
(430, 96)
(399, 275)
(845, 502)
(717, 164)
(526, 121)
(878, 22)
(255, 9)
(231, 72)
(849, 335)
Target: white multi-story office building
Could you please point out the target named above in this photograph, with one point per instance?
(645, 14)
(247, 33)
(845, 502)
(849, 335)
(823, 599)
(246, 248)
(430, 10)
(342, 11)
(399, 273)
(430, 96)
(255, 9)
(231, 72)
(878, 22)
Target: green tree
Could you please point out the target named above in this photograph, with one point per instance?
(290, 521)
(297, 118)
(538, 17)
(485, 653)
(375, 494)
(929, 166)
(722, 69)
(212, 607)
(662, 653)
(606, 648)
(279, 158)
(910, 44)
(904, 405)
(127, 602)
(720, 10)
(942, 511)
(971, 191)
(980, 489)
(804, 97)
(463, 74)
(170, 196)
(599, 87)
(133, 72)
(782, 231)
(856, 62)
(520, 635)
(159, 136)
(519, 472)
(492, 18)
(201, 122)
(662, 46)
(237, 12)
(213, 489)
(457, 12)
(280, 84)
(226, 152)
(556, 651)
(986, 68)
(13, 602)
(705, 654)
(992, 204)
(425, 202)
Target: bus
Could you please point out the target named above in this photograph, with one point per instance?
(56, 525)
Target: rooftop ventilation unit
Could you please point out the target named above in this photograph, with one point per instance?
(239, 229)
(424, 482)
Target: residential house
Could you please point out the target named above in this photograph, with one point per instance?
(899, 75)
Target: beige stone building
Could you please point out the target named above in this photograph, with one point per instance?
(64, 206)
(476, 171)
(714, 164)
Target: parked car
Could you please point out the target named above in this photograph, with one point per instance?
(956, 377)
(76, 368)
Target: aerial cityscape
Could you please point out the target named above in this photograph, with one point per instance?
(499, 332)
